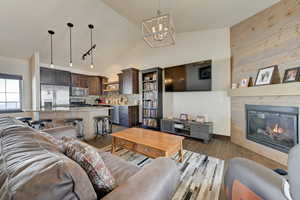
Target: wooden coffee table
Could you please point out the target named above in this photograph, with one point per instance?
(150, 143)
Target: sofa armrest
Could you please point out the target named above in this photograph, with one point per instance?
(246, 179)
(158, 180)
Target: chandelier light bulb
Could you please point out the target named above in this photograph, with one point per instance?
(71, 64)
(52, 66)
(153, 29)
(92, 66)
(160, 27)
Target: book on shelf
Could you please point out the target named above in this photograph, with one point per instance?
(150, 77)
(150, 86)
(150, 104)
(150, 122)
(150, 95)
(150, 113)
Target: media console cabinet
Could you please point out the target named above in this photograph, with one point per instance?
(190, 129)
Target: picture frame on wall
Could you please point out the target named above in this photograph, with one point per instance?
(184, 117)
(244, 83)
(267, 76)
(201, 119)
(291, 75)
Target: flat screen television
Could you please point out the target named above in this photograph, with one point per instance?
(189, 77)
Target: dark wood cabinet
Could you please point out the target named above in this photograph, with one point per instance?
(75, 80)
(95, 85)
(54, 77)
(125, 115)
(79, 80)
(120, 75)
(62, 77)
(129, 81)
(47, 76)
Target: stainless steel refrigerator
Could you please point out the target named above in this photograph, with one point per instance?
(57, 96)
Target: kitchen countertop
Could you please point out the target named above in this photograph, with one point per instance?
(71, 109)
(102, 104)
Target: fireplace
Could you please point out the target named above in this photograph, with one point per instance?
(273, 126)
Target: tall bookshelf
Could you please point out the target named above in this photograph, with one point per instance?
(152, 98)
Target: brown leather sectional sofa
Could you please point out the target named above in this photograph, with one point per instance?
(34, 168)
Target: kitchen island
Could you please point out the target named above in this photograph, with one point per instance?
(58, 114)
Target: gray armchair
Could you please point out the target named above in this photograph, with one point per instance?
(248, 180)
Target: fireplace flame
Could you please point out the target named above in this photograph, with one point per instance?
(277, 129)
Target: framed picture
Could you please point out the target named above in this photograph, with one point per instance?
(267, 76)
(291, 75)
(244, 83)
(184, 117)
(200, 119)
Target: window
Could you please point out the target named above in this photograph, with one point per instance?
(10, 93)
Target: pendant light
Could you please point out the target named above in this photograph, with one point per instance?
(51, 33)
(70, 25)
(159, 31)
(91, 27)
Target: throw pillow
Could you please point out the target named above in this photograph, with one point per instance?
(90, 160)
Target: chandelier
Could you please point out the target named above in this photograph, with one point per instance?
(159, 31)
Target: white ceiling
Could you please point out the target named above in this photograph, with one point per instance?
(192, 15)
(24, 24)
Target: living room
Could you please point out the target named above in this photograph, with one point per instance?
(108, 99)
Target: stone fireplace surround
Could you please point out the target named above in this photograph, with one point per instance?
(238, 123)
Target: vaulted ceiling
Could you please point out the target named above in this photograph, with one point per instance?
(192, 15)
(24, 24)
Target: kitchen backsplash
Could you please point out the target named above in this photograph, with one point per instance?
(132, 99)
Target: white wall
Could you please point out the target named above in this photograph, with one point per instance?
(19, 67)
(189, 47)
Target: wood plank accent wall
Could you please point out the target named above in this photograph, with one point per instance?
(271, 37)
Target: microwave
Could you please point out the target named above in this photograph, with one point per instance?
(79, 92)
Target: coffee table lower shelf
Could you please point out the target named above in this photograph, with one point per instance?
(148, 151)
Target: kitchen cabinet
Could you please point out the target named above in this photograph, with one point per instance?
(115, 115)
(54, 77)
(128, 116)
(120, 75)
(62, 78)
(79, 80)
(129, 81)
(95, 85)
(47, 76)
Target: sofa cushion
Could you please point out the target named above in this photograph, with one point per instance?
(64, 131)
(90, 160)
(50, 138)
(33, 168)
(119, 168)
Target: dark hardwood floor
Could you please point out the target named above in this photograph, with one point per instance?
(220, 147)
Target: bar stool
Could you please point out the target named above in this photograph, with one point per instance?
(103, 125)
(41, 124)
(76, 123)
(26, 120)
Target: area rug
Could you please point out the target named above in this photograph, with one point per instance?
(201, 175)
